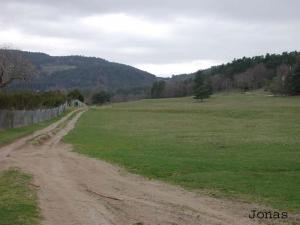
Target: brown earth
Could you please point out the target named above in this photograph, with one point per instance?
(76, 190)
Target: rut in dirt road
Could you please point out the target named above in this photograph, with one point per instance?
(76, 190)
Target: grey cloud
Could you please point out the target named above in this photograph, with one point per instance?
(201, 30)
(248, 10)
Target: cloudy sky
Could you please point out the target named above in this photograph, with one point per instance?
(164, 37)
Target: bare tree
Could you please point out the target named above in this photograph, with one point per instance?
(283, 71)
(252, 78)
(13, 66)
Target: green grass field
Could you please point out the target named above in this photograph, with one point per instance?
(234, 145)
(18, 201)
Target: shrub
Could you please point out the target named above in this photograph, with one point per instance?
(101, 97)
(75, 95)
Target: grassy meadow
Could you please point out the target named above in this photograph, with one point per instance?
(18, 201)
(234, 145)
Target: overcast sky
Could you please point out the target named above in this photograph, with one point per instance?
(164, 37)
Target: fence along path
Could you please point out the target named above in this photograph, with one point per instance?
(21, 118)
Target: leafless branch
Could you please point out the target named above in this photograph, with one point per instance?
(13, 66)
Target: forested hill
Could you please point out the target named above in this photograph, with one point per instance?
(85, 73)
(248, 73)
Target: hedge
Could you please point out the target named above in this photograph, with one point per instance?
(30, 100)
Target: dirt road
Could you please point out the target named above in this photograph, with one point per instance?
(76, 190)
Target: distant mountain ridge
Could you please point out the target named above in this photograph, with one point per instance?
(85, 73)
(93, 74)
(238, 66)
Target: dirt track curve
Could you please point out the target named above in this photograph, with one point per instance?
(76, 190)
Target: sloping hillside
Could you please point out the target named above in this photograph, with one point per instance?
(271, 72)
(69, 72)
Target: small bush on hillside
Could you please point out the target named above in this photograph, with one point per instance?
(101, 97)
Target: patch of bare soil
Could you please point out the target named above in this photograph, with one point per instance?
(76, 190)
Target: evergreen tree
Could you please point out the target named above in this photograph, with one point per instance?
(158, 88)
(293, 82)
(202, 89)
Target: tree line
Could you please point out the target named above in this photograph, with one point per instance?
(278, 73)
(30, 100)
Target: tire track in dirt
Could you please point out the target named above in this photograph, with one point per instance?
(14, 146)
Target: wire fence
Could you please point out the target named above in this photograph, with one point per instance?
(21, 118)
